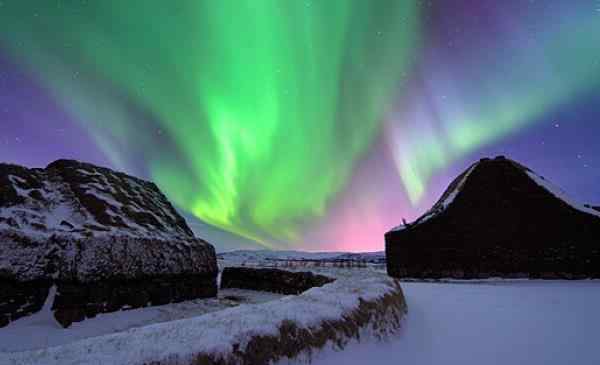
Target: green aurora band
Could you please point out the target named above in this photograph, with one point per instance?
(495, 93)
(266, 105)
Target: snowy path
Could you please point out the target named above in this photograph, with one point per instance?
(41, 329)
(530, 323)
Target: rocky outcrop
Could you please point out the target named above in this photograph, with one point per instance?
(271, 280)
(498, 218)
(107, 240)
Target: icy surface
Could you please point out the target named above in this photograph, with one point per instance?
(520, 322)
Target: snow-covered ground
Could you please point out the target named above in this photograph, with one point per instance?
(41, 329)
(502, 322)
(483, 322)
(216, 333)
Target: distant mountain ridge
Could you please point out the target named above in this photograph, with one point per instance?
(498, 218)
(241, 256)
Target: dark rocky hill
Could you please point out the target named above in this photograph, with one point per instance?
(106, 239)
(498, 218)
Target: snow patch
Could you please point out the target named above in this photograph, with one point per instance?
(560, 194)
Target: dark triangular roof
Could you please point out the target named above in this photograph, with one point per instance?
(487, 166)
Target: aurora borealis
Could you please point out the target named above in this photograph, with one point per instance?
(303, 124)
(550, 67)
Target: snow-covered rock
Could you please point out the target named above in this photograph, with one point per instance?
(499, 218)
(78, 225)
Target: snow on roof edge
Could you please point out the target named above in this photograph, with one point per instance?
(443, 203)
(560, 194)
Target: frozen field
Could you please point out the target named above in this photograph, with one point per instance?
(519, 322)
(480, 323)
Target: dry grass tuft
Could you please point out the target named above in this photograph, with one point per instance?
(381, 317)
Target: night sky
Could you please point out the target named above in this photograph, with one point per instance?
(303, 124)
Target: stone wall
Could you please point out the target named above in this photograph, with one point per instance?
(539, 263)
(75, 301)
(271, 280)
